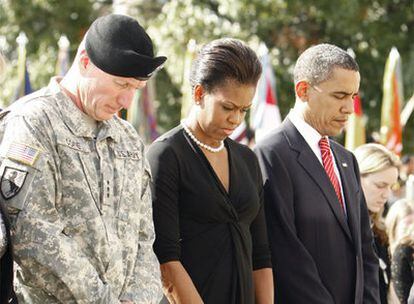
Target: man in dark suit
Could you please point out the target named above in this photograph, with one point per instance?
(316, 213)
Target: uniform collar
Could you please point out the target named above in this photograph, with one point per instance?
(77, 121)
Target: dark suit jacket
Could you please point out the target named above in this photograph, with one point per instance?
(319, 254)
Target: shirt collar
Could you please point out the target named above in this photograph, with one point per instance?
(310, 135)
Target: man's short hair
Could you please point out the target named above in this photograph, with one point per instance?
(317, 63)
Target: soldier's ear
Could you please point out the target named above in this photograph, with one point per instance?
(84, 61)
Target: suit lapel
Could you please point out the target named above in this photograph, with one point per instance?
(345, 170)
(310, 163)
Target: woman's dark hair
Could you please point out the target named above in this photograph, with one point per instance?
(222, 60)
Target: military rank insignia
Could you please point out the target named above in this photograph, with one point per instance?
(12, 181)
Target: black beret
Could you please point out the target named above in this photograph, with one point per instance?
(119, 46)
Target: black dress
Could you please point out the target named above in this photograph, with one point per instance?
(402, 268)
(384, 269)
(219, 237)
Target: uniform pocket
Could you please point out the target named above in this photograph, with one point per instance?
(91, 238)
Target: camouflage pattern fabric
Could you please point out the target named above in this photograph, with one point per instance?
(79, 199)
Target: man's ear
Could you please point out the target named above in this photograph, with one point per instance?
(302, 90)
(84, 60)
(198, 94)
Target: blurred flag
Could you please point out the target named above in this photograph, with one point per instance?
(63, 59)
(391, 130)
(186, 100)
(240, 133)
(23, 87)
(141, 113)
(265, 115)
(355, 131)
(243, 134)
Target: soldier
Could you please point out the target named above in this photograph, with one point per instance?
(80, 205)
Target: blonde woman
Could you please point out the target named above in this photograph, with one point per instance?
(379, 172)
(400, 226)
(399, 218)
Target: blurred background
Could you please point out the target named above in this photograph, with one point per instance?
(378, 33)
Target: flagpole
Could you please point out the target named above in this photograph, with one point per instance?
(21, 43)
(62, 64)
(23, 87)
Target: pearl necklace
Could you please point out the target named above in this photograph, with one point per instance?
(199, 143)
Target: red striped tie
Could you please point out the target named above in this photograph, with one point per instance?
(329, 168)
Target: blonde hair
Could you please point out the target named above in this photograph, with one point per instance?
(398, 211)
(408, 237)
(373, 158)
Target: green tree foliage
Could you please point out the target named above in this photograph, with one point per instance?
(43, 22)
(369, 28)
(287, 27)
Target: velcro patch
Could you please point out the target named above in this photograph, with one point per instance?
(22, 153)
(11, 182)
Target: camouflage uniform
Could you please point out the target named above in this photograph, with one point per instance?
(78, 194)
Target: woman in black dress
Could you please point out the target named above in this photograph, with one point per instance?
(210, 228)
(379, 172)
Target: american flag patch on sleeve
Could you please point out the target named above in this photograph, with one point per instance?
(23, 153)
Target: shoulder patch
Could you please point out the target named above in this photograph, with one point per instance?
(23, 153)
(11, 182)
